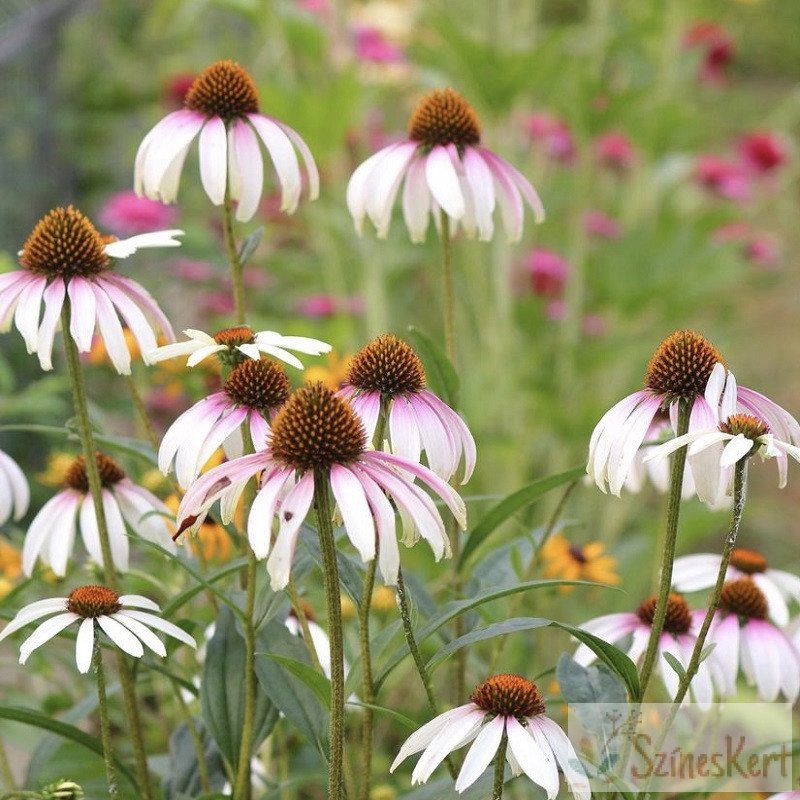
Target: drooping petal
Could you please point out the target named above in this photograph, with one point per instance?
(18, 491)
(82, 313)
(384, 515)
(403, 430)
(480, 755)
(384, 184)
(143, 633)
(247, 156)
(121, 636)
(32, 612)
(213, 149)
(312, 173)
(145, 513)
(694, 572)
(357, 186)
(293, 511)
(421, 738)
(111, 332)
(53, 302)
(352, 502)
(479, 177)
(262, 511)
(26, 316)
(565, 755)
(762, 657)
(778, 610)
(498, 165)
(443, 182)
(175, 133)
(144, 300)
(416, 200)
(283, 158)
(152, 621)
(535, 761)
(117, 535)
(55, 518)
(462, 729)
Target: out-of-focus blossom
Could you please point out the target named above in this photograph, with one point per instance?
(548, 272)
(126, 214)
(10, 566)
(614, 150)
(601, 225)
(761, 151)
(556, 310)
(371, 45)
(14, 492)
(176, 87)
(553, 134)
(723, 177)
(334, 374)
(758, 247)
(194, 270)
(593, 325)
(573, 562)
(319, 306)
(718, 50)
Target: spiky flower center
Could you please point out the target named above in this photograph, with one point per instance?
(225, 90)
(65, 244)
(577, 554)
(750, 427)
(678, 618)
(93, 601)
(743, 598)
(748, 561)
(387, 365)
(110, 473)
(442, 118)
(681, 366)
(262, 385)
(508, 696)
(315, 429)
(231, 338)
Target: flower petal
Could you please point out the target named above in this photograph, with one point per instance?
(356, 513)
(283, 158)
(46, 631)
(293, 511)
(84, 645)
(443, 182)
(247, 155)
(213, 149)
(121, 636)
(480, 755)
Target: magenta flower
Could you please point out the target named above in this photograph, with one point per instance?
(444, 169)
(601, 225)
(548, 271)
(252, 393)
(761, 151)
(127, 214)
(317, 436)
(222, 108)
(746, 639)
(614, 150)
(725, 178)
(65, 258)
(372, 46)
(388, 371)
(718, 50)
(553, 134)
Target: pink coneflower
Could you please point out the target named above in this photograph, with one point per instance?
(51, 534)
(252, 393)
(553, 134)
(699, 571)
(614, 150)
(317, 436)
(388, 371)
(681, 626)
(446, 170)
(548, 272)
(66, 259)
(745, 638)
(222, 107)
(601, 225)
(372, 46)
(14, 491)
(120, 617)
(127, 214)
(761, 151)
(759, 248)
(718, 50)
(503, 704)
(725, 178)
(176, 87)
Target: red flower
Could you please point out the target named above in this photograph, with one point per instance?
(761, 151)
(718, 50)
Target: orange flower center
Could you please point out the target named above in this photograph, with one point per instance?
(442, 118)
(110, 473)
(262, 385)
(225, 90)
(508, 696)
(743, 598)
(93, 601)
(678, 618)
(748, 561)
(387, 365)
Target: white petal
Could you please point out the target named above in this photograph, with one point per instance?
(213, 148)
(84, 645)
(82, 313)
(443, 182)
(422, 737)
(356, 514)
(536, 761)
(457, 733)
(283, 158)
(481, 753)
(293, 511)
(121, 636)
(159, 624)
(262, 512)
(46, 631)
(122, 248)
(139, 601)
(143, 633)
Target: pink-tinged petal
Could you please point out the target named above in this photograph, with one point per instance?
(175, 135)
(715, 388)
(189, 458)
(84, 645)
(145, 513)
(188, 425)
(438, 431)
(694, 572)
(111, 332)
(213, 150)
(512, 210)
(154, 135)
(144, 300)
(170, 180)
(460, 730)
(134, 318)
(312, 173)
(761, 657)
(457, 427)
(384, 185)
(247, 155)
(26, 316)
(121, 636)
(443, 182)
(500, 165)
(416, 201)
(357, 186)
(778, 610)
(403, 430)
(611, 628)
(421, 738)
(32, 612)
(624, 449)
(480, 755)
(292, 513)
(61, 539)
(259, 430)
(82, 312)
(10, 294)
(479, 178)
(143, 633)
(54, 517)
(782, 424)
(368, 406)
(117, 535)
(355, 511)
(53, 301)
(46, 631)
(262, 511)
(382, 511)
(710, 479)
(565, 755)
(725, 634)
(152, 621)
(283, 158)
(533, 755)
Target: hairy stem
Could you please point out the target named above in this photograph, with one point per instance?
(105, 726)
(367, 685)
(448, 299)
(237, 279)
(500, 768)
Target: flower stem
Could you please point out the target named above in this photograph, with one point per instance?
(668, 554)
(367, 686)
(500, 767)
(302, 618)
(448, 300)
(197, 741)
(322, 504)
(105, 726)
(408, 630)
(141, 410)
(235, 262)
(110, 576)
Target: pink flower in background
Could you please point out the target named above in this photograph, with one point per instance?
(319, 306)
(554, 134)
(759, 248)
(761, 151)
(548, 272)
(723, 177)
(614, 150)
(194, 270)
(601, 225)
(372, 46)
(718, 50)
(126, 214)
(176, 87)
(593, 325)
(556, 310)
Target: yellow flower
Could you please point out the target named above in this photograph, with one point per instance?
(384, 599)
(334, 375)
(212, 540)
(10, 566)
(99, 355)
(58, 465)
(348, 608)
(573, 562)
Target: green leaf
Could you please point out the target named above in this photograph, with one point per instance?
(389, 712)
(676, 665)
(48, 723)
(707, 650)
(249, 245)
(588, 685)
(222, 692)
(513, 625)
(315, 681)
(510, 505)
(440, 373)
(204, 582)
(184, 775)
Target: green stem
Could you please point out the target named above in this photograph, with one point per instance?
(330, 567)
(235, 262)
(105, 726)
(668, 555)
(199, 749)
(19, 794)
(448, 299)
(141, 410)
(110, 576)
(302, 618)
(408, 630)
(367, 685)
(500, 768)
